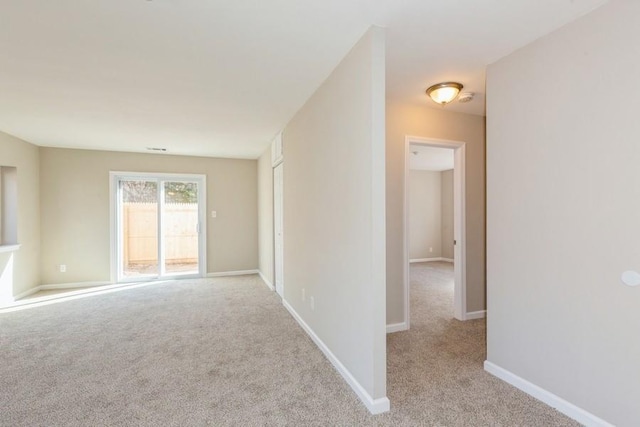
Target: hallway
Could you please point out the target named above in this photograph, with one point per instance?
(435, 370)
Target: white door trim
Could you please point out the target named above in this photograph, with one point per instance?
(115, 250)
(460, 249)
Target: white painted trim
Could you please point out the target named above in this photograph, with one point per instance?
(460, 282)
(476, 315)
(115, 220)
(567, 408)
(78, 286)
(113, 229)
(277, 150)
(396, 327)
(375, 406)
(10, 248)
(72, 295)
(460, 233)
(232, 273)
(26, 293)
(415, 260)
(266, 282)
(73, 285)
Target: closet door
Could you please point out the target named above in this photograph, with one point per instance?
(278, 207)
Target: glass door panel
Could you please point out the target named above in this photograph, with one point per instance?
(180, 234)
(139, 228)
(157, 220)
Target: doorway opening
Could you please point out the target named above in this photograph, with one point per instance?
(158, 226)
(445, 155)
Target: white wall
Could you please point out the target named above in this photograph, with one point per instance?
(19, 270)
(563, 182)
(334, 245)
(425, 219)
(430, 214)
(265, 217)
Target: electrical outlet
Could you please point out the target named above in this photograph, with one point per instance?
(63, 268)
(312, 301)
(430, 249)
(303, 295)
(214, 214)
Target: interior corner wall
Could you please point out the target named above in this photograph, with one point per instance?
(334, 216)
(265, 217)
(422, 121)
(563, 202)
(446, 206)
(75, 214)
(425, 216)
(19, 270)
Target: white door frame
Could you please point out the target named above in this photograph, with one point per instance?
(116, 250)
(459, 224)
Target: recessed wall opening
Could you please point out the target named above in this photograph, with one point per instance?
(8, 205)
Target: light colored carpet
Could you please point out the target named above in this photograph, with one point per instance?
(224, 352)
(435, 370)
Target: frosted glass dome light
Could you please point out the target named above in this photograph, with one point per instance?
(444, 93)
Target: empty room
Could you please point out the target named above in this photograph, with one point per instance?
(211, 213)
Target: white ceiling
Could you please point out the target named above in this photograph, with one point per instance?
(222, 77)
(430, 158)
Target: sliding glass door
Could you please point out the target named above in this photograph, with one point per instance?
(138, 232)
(158, 226)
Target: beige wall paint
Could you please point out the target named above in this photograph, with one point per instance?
(418, 120)
(19, 270)
(446, 206)
(75, 217)
(563, 202)
(334, 213)
(265, 216)
(425, 222)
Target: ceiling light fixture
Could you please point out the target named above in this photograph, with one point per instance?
(444, 93)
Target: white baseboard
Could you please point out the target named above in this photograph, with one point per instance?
(232, 273)
(413, 261)
(375, 406)
(476, 315)
(266, 282)
(73, 285)
(567, 408)
(58, 286)
(397, 327)
(26, 293)
(72, 294)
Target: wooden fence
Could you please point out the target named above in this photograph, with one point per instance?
(140, 233)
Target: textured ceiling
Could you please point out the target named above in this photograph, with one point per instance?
(422, 157)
